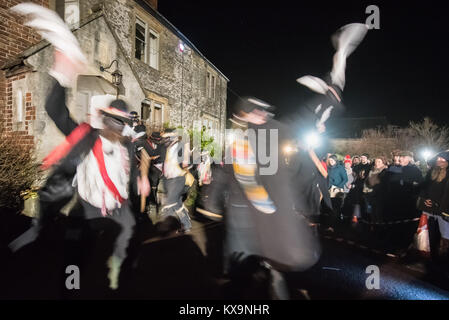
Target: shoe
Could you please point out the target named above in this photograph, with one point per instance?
(114, 264)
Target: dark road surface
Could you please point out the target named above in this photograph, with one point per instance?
(176, 268)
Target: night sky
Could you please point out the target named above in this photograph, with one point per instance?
(399, 72)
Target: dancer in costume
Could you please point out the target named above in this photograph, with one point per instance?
(96, 163)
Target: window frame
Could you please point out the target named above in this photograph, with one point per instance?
(149, 47)
(142, 23)
(149, 32)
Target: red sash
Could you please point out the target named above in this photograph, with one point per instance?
(64, 148)
(98, 153)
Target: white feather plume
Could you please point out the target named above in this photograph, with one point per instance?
(345, 41)
(314, 84)
(52, 28)
(325, 116)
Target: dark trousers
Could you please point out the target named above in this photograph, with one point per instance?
(122, 216)
(175, 188)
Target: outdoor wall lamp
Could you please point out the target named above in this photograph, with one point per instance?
(116, 75)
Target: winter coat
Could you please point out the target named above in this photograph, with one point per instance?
(374, 179)
(436, 191)
(348, 185)
(337, 176)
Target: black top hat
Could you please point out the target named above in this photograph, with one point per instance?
(118, 110)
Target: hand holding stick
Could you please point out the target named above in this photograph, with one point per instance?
(144, 167)
(317, 163)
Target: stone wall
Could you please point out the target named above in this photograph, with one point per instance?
(99, 45)
(106, 35)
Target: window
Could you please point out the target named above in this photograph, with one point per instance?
(208, 76)
(140, 52)
(154, 50)
(146, 44)
(153, 113)
(213, 87)
(158, 115)
(212, 126)
(210, 85)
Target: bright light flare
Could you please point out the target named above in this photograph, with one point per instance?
(313, 140)
(181, 47)
(426, 154)
(288, 149)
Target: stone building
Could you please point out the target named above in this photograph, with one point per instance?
(165, 78)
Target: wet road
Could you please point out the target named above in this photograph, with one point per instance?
(177, 268)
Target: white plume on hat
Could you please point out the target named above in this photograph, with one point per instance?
(98, 102)
(52, 28)
(345, 41)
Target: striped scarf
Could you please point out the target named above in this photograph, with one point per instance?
(245, 165)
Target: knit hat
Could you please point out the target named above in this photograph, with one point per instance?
(442, 154)
(405, 154)
(348, 159)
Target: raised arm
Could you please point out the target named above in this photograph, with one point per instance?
(57, 109)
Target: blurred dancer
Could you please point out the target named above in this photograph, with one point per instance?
(262, 228)
(95, 162)
(176, 180)
(328, 101)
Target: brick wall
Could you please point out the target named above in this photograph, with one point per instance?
(14, 36)
(14, 39)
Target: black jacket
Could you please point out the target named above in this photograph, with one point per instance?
(58, 189)
(284, 237)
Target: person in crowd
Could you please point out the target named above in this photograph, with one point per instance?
(348, 167)
(374, 189)
(134, 119)
(362, 169)
(409, 183)
(355, 161)
(434, 202)
(337, 182)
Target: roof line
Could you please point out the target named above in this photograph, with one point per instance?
(175, 30)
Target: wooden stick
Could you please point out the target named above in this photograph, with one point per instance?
(144, 167)
(317, 163)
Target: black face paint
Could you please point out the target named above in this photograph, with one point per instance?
(114, 124)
